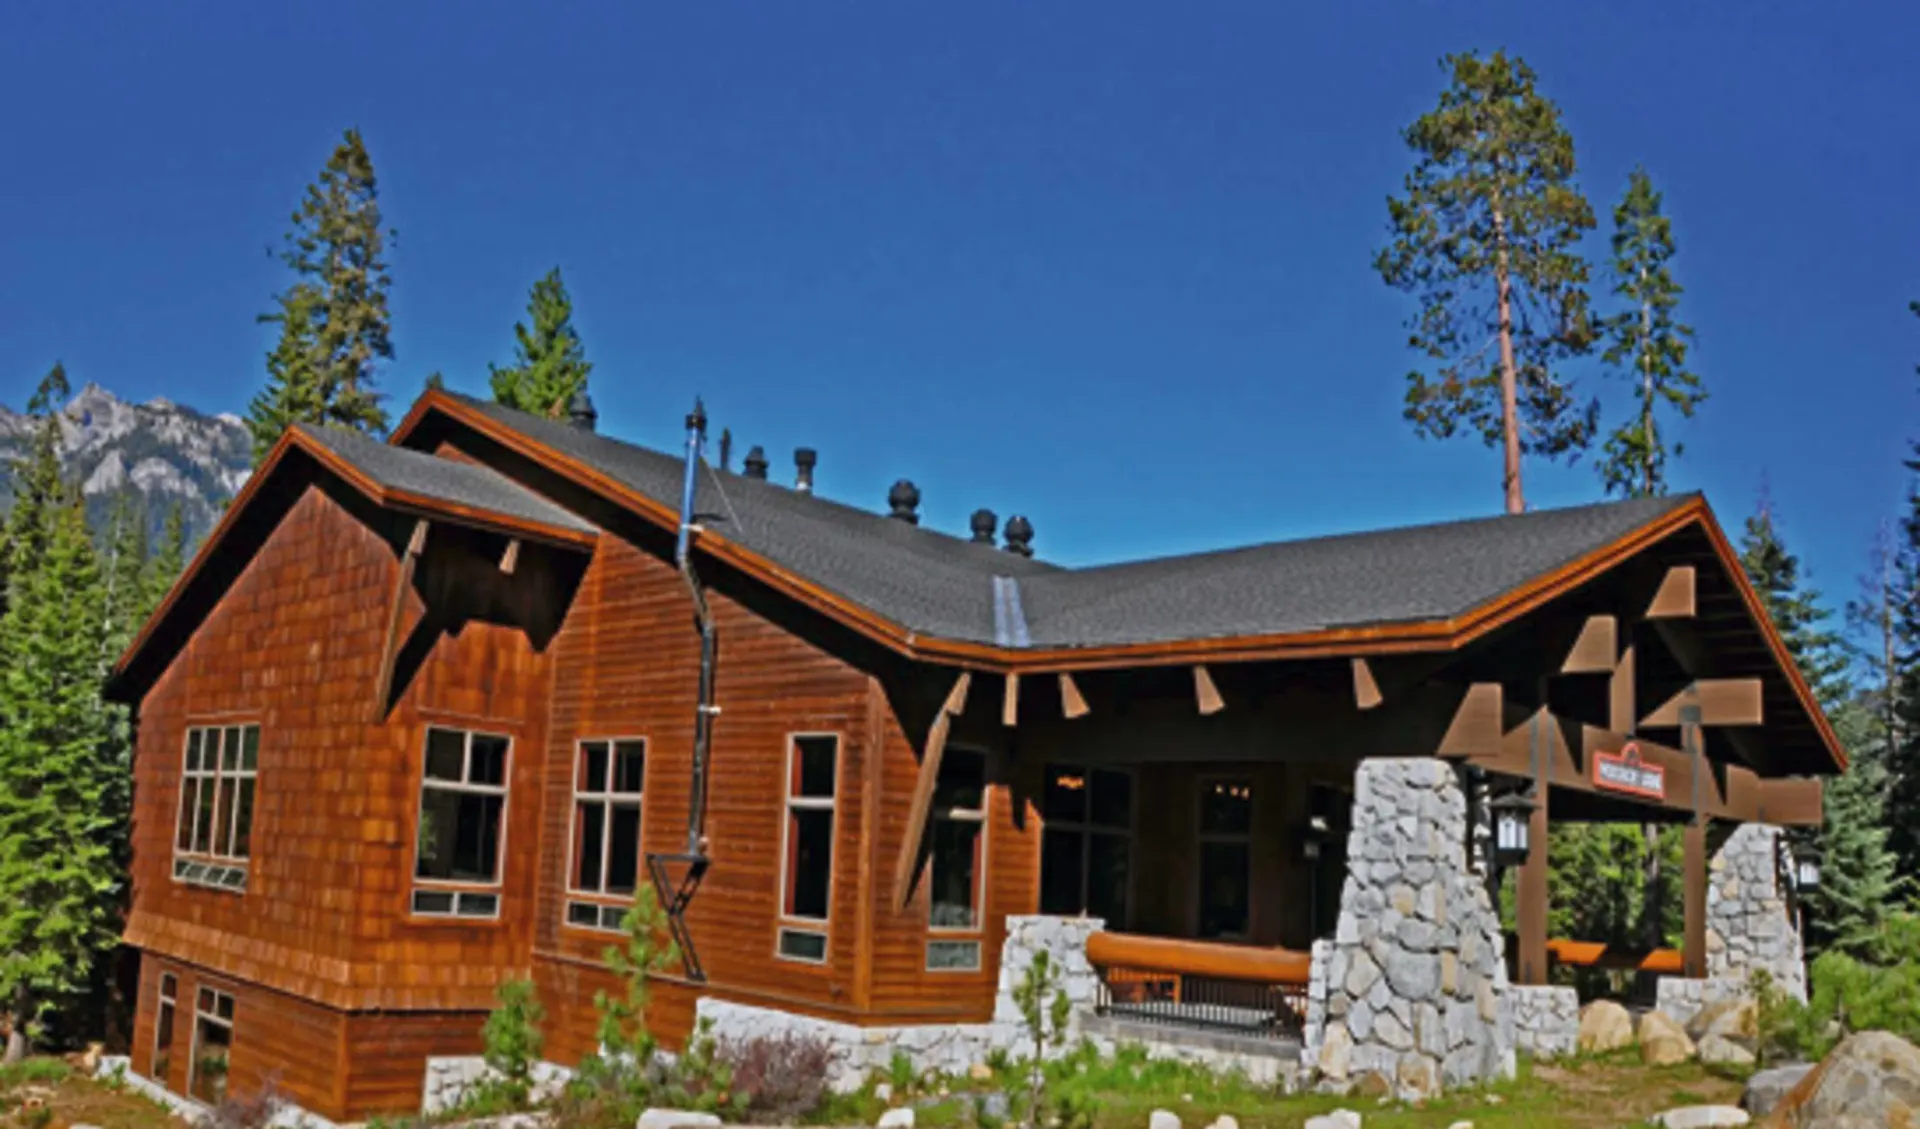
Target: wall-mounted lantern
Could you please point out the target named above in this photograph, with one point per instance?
(1512, 828)
(1806, 873)
(1313, 837)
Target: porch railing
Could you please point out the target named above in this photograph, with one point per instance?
(1237, 989)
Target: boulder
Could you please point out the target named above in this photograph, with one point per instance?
(1871, 1079)
(676, 1119)
(1163, 1119)
(1605, 1026)
(1225, 1121)
(1338, 1119)
(1662, 1041)
(1718, 1050)
(1701, 1117)
(901, 1118)
(1766, 1088)
(1730, 1019)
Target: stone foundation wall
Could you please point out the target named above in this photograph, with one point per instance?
(1414, 983)
(1546, 1020)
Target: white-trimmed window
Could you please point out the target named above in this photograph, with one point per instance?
(463, 824)
(1226, 857)
(957, 871)
(609, 784)
(1087, 847)
(806, 861)
(212, 1043)
(163, 1019)
(213, 838)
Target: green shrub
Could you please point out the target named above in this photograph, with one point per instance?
(512, 1046)
(1846, 995)
(1044, 1010)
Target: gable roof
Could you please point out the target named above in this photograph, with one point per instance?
(393, 478)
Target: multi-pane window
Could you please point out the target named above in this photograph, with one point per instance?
(1087, 847)
(958, 830)
(1226, 857)
(212, 1043)
(163, 1027)
(807, 861)
(214, 836)
(609, 781)
(463, 805)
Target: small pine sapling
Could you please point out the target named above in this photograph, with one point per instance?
(512, 1045)
(1045, 1009)
(626, 1045)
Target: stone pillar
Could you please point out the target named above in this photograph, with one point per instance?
(1416, 981)
(1064, 939)
(1749, 928)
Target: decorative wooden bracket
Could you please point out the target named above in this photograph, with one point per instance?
(1620, 694)
(1010, 704)
(1477, 728)
(396, 610)
(1071, 703)
(1596, 648)
(1722, 701)
(1366, 691)
(1206, 693)
(1675, 597)
(510, 559)
(923, 787)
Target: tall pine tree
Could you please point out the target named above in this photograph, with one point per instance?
(60, 797)
(334, 322)
(1646, 343)
(550, 364)
(36, 476)
(1487, 238)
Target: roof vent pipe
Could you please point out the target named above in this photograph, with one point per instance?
(804, 460)
(756, 464)
(726, 450)
(904, 500)
(1019, 536)
(580, 411)
(983, 524)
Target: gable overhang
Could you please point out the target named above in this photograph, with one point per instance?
(1428, 636)
(122, 685)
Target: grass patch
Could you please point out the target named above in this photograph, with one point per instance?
(62, 1097)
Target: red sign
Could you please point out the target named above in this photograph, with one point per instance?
(1624, 771)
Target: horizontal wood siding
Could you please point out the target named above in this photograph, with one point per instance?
(387, 1056)
(295, 646)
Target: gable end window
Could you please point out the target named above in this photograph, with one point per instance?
(806, 866)
(213, 836)
(609, 784)
(463, 819)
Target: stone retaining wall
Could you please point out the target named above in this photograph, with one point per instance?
(1546, 1020)
(1414, 983)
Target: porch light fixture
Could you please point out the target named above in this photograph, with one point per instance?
(1313, 836)
(1806, 873)
(1512, 827)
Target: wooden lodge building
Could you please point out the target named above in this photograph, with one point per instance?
(421, 716)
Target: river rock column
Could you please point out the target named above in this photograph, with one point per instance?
(1749, 928)
(1416, 981)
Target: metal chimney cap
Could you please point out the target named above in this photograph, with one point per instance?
(904, 499)
(580, 411)
(983, 523)
(804, 459)
(756, 464)
(697, 418)
(1019, 536)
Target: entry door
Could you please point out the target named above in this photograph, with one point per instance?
(1225, 858)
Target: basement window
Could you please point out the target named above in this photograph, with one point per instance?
(609, 786)
(463, 806)
(806, 860)
(212, 1043)
(163, 1028)
(213, 834)
(958, 867)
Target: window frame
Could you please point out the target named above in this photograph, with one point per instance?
(167, 1009)
(983, 815)
(211, 869)
(457, 889)
(1087, 828)
(1201, 837)
(786, 923)
(214, 1017)
(609, 910)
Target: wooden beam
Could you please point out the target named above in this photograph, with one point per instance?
(921, 805)
(1478, 725)
(1071, 703)
(1693, 948)
(510, 559)
(1620, 691)
(1723, 701)
(1366, 692)
(396, 613)
(1206, 693)
(1010, 704)
(1531, 888)
(1596, 648)
(1675, 597)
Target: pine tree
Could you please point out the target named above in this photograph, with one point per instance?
(1646, 344)
(168, 559)
(58, 805)
(1902, 816)
(1486, 237)
(1795, 608)
(334, 320)
(1860, 881)
(1875, 614)
(550, 363)
(36, 476)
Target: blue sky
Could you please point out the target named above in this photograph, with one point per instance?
(1107, 265)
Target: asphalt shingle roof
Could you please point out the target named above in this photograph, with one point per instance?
(462, 484)
(936, 584)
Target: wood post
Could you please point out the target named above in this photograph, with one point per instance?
(1694, 947)
(1531, 889)
(1010, 705)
